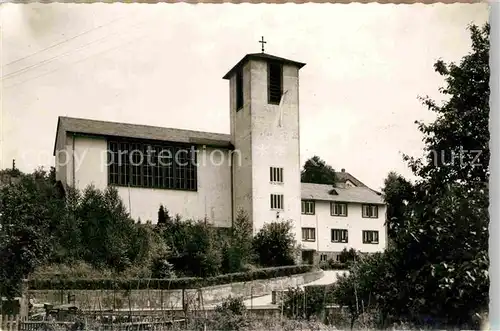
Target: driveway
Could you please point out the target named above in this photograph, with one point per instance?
(329, 277)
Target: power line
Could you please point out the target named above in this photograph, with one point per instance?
(64, 41)
(20, 71)
(84, 59)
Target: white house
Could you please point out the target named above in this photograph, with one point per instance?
(204, 175)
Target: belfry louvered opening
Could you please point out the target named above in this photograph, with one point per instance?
(274, 82)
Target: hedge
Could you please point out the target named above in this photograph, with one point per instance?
(334, 266)
(61, 283)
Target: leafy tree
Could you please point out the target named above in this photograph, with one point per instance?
(398, 193)
(318, 172)
(29, 210)
(447, 233)
(437, 268)
(274, 244)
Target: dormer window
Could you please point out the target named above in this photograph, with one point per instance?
(239, 90)
(274, 82)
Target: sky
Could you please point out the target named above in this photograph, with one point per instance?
(163, 64)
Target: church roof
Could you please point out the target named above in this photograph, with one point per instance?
(127, 130)
(262, 56)
(350, 194)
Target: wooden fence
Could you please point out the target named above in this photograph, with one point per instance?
(16, 323)
(9, 322)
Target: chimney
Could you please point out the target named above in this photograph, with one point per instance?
(343, 170)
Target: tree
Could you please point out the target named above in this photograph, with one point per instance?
(29, 211)
(318, 172)
(447, 233)
(238, 251)
(274, 244)
(398, 192)
(438, 261)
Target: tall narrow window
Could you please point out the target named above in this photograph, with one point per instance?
(276, 175)
(277, 201)
(275, 82)
(239, 90)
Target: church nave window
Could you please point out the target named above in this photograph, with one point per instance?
(274, 82)
(139, 164)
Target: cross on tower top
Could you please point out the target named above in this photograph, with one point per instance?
(262, 43)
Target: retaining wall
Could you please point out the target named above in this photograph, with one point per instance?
(165, 299)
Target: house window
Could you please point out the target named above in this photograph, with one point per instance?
(338, 209)
(277, 201)
(339, 236)
(323, 257)
(239, 90)
(139, 164)
(275, 82)
(276, 175)
(370, 237)
(307, 207)
(370, 211)
(308, 234)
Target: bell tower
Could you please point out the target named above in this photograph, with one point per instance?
(264, 119)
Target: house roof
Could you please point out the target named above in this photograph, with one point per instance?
(345, 176)
(262, 56)
(361, 194)
(115, 129)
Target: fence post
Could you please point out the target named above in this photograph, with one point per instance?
(18, 322)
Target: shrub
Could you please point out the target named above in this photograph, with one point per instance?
(308, 302)
(62, 282)
(274, 244)
(194, 247)
(161, 268)
(331, 264)
(230, 315)
(348, 256)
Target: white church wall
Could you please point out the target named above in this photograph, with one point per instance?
(212, 199)
(241, 138)
(275, 144)
(90, 162)
(323, 222)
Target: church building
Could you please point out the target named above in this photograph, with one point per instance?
(202, 175)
